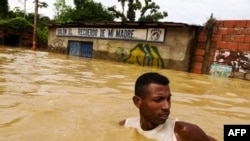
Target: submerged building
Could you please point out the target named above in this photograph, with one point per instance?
(219, 48)
(159, 44)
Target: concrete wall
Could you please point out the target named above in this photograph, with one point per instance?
(173, 53)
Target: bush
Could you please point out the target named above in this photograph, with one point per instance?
(42, 36)
(20, 24)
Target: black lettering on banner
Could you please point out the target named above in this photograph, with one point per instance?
(236, 132)
(86, 32)
(124, 33)
(62, 31)
(111, 33)
(102, 33)
(70, 31)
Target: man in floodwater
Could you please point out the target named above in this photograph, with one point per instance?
(153, 99)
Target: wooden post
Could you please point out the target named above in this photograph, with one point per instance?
(209, 27)
(35, 26)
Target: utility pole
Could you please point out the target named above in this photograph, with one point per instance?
(35, 26)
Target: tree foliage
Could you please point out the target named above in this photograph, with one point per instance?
(85, 10)
(15, 20)
(79, 4)
(19, 24)
(16, 12)
(42, 4)
(62, 11)
(88, 10)
(4, 8)
(42, 35)
(149, 12)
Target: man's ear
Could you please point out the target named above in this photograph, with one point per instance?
(137, 101)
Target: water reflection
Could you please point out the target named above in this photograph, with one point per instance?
(46, 96)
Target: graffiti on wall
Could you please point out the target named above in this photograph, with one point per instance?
(120, 52)
(220, 70)
(56, 45)
(145, 55)
(228, 62)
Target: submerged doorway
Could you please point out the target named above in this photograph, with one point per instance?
(82, 49)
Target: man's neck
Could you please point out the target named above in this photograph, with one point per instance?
(145, 125)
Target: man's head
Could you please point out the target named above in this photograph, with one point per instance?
(153, 98)
(143, 81)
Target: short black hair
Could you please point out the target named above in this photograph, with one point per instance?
(143, 81)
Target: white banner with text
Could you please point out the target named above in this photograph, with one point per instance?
(150, 34)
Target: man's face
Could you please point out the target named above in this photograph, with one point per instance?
(155, 107)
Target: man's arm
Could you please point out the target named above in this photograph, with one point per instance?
(190, 132)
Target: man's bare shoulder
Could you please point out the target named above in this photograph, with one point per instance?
(185, 131)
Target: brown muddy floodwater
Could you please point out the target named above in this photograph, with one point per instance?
(55, 97)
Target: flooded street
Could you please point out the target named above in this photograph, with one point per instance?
(55, 97)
